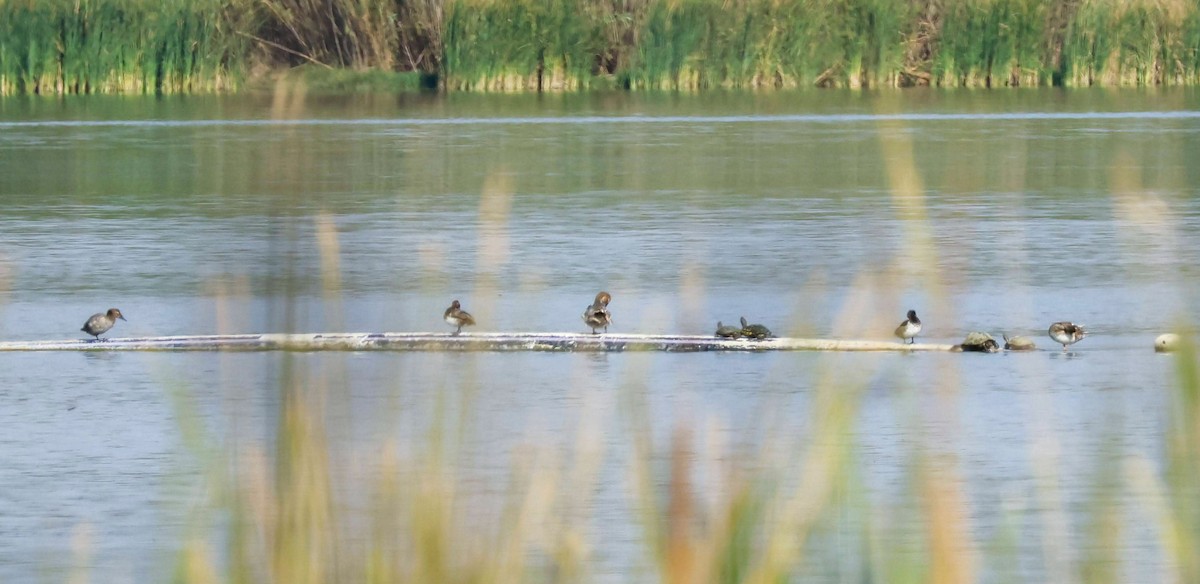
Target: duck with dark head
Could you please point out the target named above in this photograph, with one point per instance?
(910, 328)
(455, 316)
(100, 322)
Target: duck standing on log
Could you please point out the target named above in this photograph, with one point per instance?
(910, 328)
(597, 315)
(100, 322)
(457, 317)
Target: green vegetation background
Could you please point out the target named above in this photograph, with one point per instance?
(172, 46)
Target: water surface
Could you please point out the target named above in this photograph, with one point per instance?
(820, 214)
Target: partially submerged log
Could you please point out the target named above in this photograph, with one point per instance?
(461, 342)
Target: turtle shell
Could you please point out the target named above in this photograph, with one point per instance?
(1018, 343)
(982, 342)
(729, 332)
(757, 331)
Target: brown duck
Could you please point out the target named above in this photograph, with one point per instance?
(1067, 333)
(455, 316)
(597, 315)
(100, 322)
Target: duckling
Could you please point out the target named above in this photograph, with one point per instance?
(100, 322)
(1067, 333)
(910, 328)
(597, 315)
(457, 317)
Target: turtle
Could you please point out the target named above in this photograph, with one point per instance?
(1018, 343)
(755, 331)
(980, 343)
(728, 332)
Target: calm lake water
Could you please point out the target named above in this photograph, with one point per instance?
(819, 214)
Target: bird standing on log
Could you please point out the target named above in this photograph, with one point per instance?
(597, 315)
(910, 328)
(457, 317)
(100, 322)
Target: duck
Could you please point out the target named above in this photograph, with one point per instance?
(457, 317)
(597, 315)
(910, 328)
(1067, 333)
(101, 322)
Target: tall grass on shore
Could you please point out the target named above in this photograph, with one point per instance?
(132, 46)
(115, 46)
(1115, 43)
(344, 33)
(661, 44)
(358, 35)
(700, 44)
(991, 43)
(519, 45)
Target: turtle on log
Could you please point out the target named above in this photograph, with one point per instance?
(755, 331)
(979, 343)
(728, 332)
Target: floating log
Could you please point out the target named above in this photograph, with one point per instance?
(463, 342)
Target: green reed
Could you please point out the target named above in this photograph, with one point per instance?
(991, 43)
(114, 46)
(86, 46)
(1133, 43)
(697, 44)
(519, 45)
(664, 44)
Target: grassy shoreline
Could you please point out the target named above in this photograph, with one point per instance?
(208, 46)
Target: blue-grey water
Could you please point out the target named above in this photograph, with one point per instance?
(821, 214)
